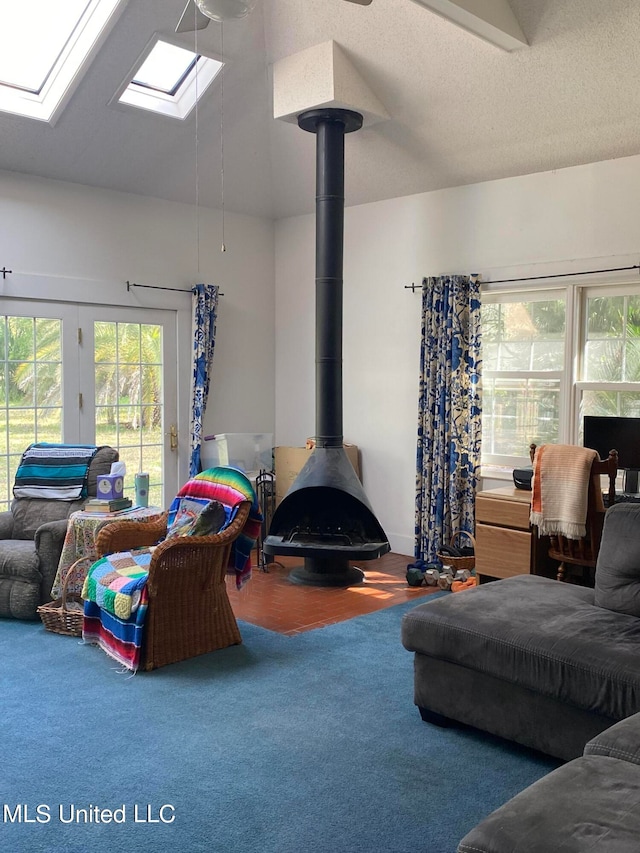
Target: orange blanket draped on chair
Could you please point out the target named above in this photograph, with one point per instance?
(560, 489)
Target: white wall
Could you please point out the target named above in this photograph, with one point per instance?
(573, 219)
(86, 243)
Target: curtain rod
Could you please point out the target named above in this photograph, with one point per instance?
(563, 274)
(131, 284)
(413, 287)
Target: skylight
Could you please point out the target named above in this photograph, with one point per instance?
(169, 80)
(44, 47)
(165, 68)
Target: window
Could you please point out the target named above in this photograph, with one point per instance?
(551, 357)
(30, 390)
(523, 339)
(29, 69)
(44, 48)
(609, 381)
(129, 396)
(165, 68)
(168, 80)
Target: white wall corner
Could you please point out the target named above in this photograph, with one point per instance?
(322, 76)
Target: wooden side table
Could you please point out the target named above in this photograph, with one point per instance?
(506, 544)
(80, 541)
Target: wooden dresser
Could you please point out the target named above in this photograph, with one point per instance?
(506, 544)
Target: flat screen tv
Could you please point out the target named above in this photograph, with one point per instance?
(622, 434)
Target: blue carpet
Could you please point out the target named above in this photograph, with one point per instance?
(308, 744)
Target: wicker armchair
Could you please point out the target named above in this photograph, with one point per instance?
(189, 612)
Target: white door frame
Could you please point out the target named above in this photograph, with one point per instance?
(26, 288)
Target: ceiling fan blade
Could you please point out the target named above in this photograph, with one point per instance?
(193, 19)
(360, 2)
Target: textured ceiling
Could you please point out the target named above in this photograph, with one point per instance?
(461, 110)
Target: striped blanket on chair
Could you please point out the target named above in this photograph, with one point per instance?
(115, 606)
(55, 471)
(121, 639)
(230, 487)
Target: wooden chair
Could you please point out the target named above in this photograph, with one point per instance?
(579, 556)
(189, 612)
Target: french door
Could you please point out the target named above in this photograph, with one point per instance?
(90, 374)
(127, 371)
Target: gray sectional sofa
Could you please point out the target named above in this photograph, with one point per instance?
(589, 805)
(552, 666)
(547, 664)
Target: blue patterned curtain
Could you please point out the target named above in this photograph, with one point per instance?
(449, 427)
(205, 311)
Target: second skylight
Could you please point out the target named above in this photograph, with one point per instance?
(169, 80)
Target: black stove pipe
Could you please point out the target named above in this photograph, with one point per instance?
(330, 126)
(325, 516)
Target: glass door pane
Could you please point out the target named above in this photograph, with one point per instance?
(132, 401)
(33, 405)
(523, 346)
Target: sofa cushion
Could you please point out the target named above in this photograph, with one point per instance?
(621, 740)
(100, 464)
(30, 513)
(19, 560)
(589, 804)
(617, 585)
(539, 634)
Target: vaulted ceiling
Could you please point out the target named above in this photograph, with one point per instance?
(461, 110)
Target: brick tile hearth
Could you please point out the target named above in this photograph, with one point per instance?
(271, 601)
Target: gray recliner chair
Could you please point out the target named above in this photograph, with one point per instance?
(31, 538)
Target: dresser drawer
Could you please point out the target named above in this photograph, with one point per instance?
(503, 513)
(502, 552)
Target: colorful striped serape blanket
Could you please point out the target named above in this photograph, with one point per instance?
(115, 582)
(54, 471)
(231, 487)
(560, 489)
(121, 639)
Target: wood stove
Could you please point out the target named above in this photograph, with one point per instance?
(325, 516)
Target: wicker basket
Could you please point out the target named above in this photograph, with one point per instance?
(459, 562)
(65, 614)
